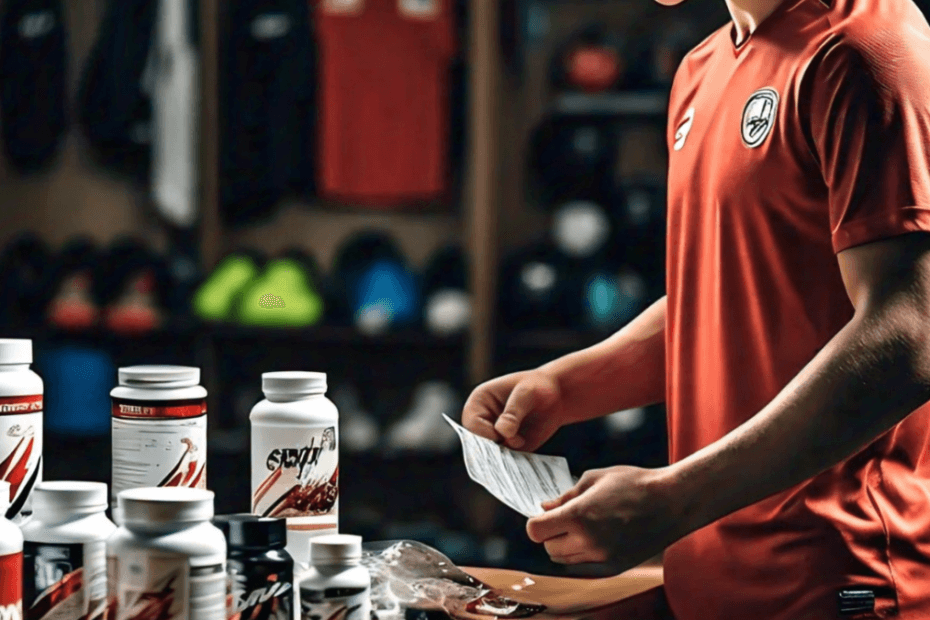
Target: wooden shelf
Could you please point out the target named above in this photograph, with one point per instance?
(321, 334)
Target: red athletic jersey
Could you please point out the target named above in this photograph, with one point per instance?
(384, 87)
(811, 137)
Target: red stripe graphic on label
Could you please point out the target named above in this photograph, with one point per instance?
(13, 405)
(134, 410)
(11, 585)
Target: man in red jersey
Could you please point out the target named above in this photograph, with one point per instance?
(793, 347)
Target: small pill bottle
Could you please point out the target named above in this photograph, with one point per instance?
(336, 585)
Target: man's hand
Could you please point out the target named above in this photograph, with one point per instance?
(620, 516)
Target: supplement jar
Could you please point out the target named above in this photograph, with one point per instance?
(159, 429)
(64, 556)
(21, 392)
(261, 573)
(166, 559)
(295, 457)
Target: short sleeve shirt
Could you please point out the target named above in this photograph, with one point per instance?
(809, 138)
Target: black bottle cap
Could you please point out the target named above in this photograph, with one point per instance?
(252, 532)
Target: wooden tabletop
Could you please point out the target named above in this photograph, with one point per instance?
(635, 594)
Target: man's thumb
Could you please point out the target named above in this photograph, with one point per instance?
(515, 411)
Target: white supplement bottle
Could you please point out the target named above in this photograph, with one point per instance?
(166, 559)
(11, 562)
(336, 585)
(295, 457)
(159, 429)
(21, 393)
(65, 553)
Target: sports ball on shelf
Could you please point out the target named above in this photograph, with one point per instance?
(574, 157)
(215, 298)
(581, 229)
(447, 299)
(71, 302)
(286, 294)
(534, 286)
(24, 263)
(592, 60)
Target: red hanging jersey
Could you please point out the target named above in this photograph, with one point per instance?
(811, 137)
(384, 82)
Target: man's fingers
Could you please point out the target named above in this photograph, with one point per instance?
(483, 427)
(574, 548)
(585, 483)
(550, 524)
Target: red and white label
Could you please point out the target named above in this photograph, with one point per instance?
(295, 475)
(161, 586)
(159, 445)
(129, 410)
(20, 448)
(11, 586)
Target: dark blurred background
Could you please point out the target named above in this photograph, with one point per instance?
(440, 191)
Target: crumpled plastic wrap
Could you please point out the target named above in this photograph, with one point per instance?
(410, 575)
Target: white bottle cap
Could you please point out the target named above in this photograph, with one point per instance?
(159, 377)
(15, 351)
(4, 497)
(164, 505)
(294, 384)
(335, 549)
(65, 497)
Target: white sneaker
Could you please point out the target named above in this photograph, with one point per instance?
(423, 428)
(358, 429)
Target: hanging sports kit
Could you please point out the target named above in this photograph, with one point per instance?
(175, 79)
(33, 63)
(267, 107)
(114, 110)
(384, 100)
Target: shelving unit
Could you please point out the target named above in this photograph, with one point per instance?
(494, 217)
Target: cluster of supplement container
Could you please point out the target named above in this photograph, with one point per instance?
(165, 555)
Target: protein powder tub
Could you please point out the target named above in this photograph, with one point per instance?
(336, 585)
(65, 555)
(261, 573)
(159, 429)
(11, 562)
(166, 560)
(295, 457)
(20, 426)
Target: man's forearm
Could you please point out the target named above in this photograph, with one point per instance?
(868, 378)
(624, 371)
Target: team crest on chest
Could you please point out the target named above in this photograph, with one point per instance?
(759, 116)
